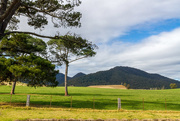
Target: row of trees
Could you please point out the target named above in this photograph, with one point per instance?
(24, 57)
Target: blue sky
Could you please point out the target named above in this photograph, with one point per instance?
(143, 34)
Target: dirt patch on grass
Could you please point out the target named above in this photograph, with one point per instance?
(109, 86)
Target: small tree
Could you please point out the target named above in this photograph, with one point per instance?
(31, 69)
(69, 51)
(125, 84)
(173, 85)
(128, 86)
(24, 63)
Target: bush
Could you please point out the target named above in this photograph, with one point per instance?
(173, 85)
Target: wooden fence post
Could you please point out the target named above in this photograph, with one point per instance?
(93, 103)
(50, 101)
(10, 99)
(143, 103)
(119, 103)
(28, 101)
(165, 104)
(71, 101)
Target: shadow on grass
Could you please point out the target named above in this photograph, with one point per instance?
(104, 104)
(97, 101)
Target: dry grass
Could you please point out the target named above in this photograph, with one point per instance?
(8, 113)
(110, 86)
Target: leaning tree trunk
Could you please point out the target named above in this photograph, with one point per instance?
(13, 87)
(7, 13)
(65, 81)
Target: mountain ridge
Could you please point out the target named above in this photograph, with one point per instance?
(137, 78)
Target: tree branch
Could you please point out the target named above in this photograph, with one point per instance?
(38, 35)
(43, 11)
(43, 36)
(78, 59)
(3, 6)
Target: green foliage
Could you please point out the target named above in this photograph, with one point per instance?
(173, 85)
(128, 86)
(58, 10)
(5, 74)
(71, 46)
(31, 69)
(25, 66)
(125, 84)
(20, 44)
(37, 12)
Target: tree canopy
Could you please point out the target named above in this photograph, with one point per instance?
(30, 69)
(24, 62)
(68, 51)
(38, 13)
(5, 74)
(20, 44)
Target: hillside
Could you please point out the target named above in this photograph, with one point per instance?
(137, 79)
(78, 75)
(60, 77)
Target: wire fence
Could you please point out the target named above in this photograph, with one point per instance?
(94, 102)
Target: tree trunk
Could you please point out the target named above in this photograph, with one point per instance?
(13, 87)
(6, 14)
(65, 81)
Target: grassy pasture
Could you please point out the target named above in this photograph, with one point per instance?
(82, 103)
(83, 97)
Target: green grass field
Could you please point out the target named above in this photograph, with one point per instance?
(83, 97)
(104, 106)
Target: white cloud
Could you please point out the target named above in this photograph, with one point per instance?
(105, 19)
(156, 54)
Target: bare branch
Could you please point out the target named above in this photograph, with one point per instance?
(78, 59)
(43, 36)
(43, 11)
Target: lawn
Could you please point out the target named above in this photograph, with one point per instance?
(93, 98)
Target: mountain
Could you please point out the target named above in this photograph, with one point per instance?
(137, 79)
(78, 75)
(60, 78)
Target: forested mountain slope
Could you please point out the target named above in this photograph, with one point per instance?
(137, 79)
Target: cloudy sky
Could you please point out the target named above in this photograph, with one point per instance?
(143, 34)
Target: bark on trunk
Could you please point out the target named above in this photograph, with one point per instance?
(6, 14)
(65, 81)
(13, 87)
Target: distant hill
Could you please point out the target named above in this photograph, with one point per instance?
(137, 79)
(78, 75)
(60, 77)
